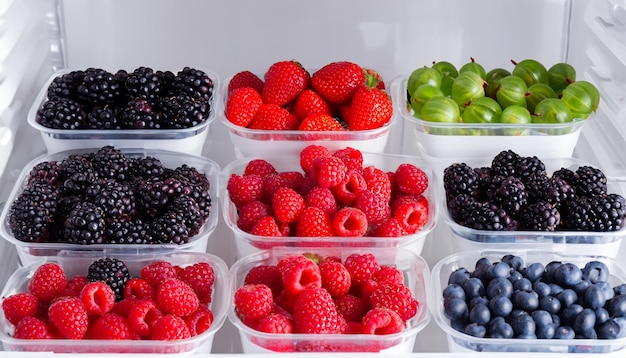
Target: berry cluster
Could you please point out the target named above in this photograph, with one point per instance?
(107, 197)
(312, 294)
(516, 193)
(166, 302)
(339, 96)
(336, 196)
(142, 99)
(558, 300)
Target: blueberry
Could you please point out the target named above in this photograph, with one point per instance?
(541, 317)
(499, 270)
(473, 288)
(567, 275)
(546, 332)
(548, 274)
(500, 328)
(550, 304)
(481, 271)
(453, 290)
(499, 286)
(475, 330)
(514, 261)
(564, 332)
(581, 286)
(620, 289)
(458, 325)
(523, 284)
(479, 314)
(596, 271)
(556, 319)
(614, 328)
(617, 306)
(478, 300)
(455, 309)
(606, 289)
(567, 297)
(542, 288)
(523, 326)
(458, 276)
(482, 262)
(525, 300)
(593, 297)
(500, 306)
(515, 276)
(534, 271)
(602, 315)
(555, 289)
(569, 313)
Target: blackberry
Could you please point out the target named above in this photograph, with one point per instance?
(461, 206)
(77, 174)
(147, 84)
(194, 83)
(138, 114)
(110, 162)
(484, 177)
(148, 168)
(65, 85)
(505, 163)
(102, 118)
(540, 216)
(600, 213)
(559, 191)
(134, 231)
(85, 225)
(489, 216)
(511, 195)
(116, 199)
(532, 172)
(61, 113)
(198, 186)
(98, 87)
(183, 111)
(111, 271)
(47, 171)
(190, 211)
(566, 174)
(590, 181)
(33, 211)
(170, 228)
(154, 196)
(460, 178)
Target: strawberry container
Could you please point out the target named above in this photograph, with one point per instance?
(189, 140)
(247, 243)
(416, 276)
(77, 263)
(32, 251)
(459, 342)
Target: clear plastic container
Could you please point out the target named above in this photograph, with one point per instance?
(416, 275)
(247, 243)
(75, 263)
(30, 252)
(187, 140)
(459, 342)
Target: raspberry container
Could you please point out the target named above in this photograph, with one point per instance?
(459, 342)
(30, 252)
(570, 242)
(247, 243)
(254, 142)
(187, 140)
(416, 277)
(75, 263)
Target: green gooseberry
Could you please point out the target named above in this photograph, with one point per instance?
(512, 91)
(482, 110)
(423, 75)
(582, 98)
(531, 71)
(467, 86)
(515, 114)
(493, 81)
(422, 94)
(536, 93)
(445, 68)
(561, 75)
(473, 66)
(552, 110)
(440, 109)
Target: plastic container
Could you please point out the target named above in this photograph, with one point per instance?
(570, 242)
(247, 243)
(188, 140)
(460, 342)
(254, 142)
(32, 251)
(77, 264)
(416, 275)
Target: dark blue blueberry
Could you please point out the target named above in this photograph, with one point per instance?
(564, 332)
(500, 306)
(545, 332)
(588, 334)
(567, 297)
(614, 328)
(482, 262)
(515, 276)
(478, 300)
(514, 261)
(499, 269)
(481, 271)
(580, 287)
(534, 271)
(499, 286)
(593, 297)
(500, 328)
(523, 325)
(569, 313)
(556, 319)
(596, 271)
(524, 284)
(555, 289)
(607, 289)
(548, 275)
(458, 276)
(541, 317)
(453, 290)
(617, 306)
(480, 314)
(455, 309)
(550, 304)
(542, 288)
(568, 275)
(584, 321)
(475, 330)
(525, 300)
(458, 325)
(602, 315)
(473, 287)
(620, 289)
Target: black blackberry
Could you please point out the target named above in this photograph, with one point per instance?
(145, 83)
(489, 216)
(102, 118)
(532, 172)
(46, 171)
(85, 225)
(148, 168)
(460, 178)
(65, 85)
(77, 174)
(115, 198)
(505, 163)
(190, 211)
(138, 113)
(198, 186)
(484, 178)
(170, 228)
(154, 196)
(98, 88)
(111, 271)
(183, 111)
(33, 211)
(61, 113)
(540, 216)
(511, 195)
(461, 207)
(194, 83)
(559, 191)
(566, 174)
(590, 181)
(110, 162)
(134, 231)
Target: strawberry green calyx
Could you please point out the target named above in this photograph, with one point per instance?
(373, 79)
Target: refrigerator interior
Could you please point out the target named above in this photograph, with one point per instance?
(394, 37)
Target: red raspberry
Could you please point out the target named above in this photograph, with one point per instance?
(169, 328)
(350, 189)
(139, 288)
(399, 298)
(141, 316)
(69, 317)
(75, 285)
(386, 274)
(244, 189)
(245, 79)
(109, 326)
(250, 213)
(123, 307)
(329, 171)
(390, 228)
(352, 158)
(335, 278)
(315, 312)
(411, 211)
(381, 320)
(31, 328)
(259, 167)
(98, 298)
(298, 274)
(266, 226)
(310, 153)
(374, 205)
(322, 198)
(271, 183)
(411, 179)
(294, 178)
(48, 282)
(176, 297)
(268, 275)
(286, 301)
(253, 301)
(351, 307)
(199, 321)
(361, 267)
(287, 204)
(157, 272)
(275, 323)
(19, 305)
(377, 181)
(314, 222)
(350, 222)
(200, 277)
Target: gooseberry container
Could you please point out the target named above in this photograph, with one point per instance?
(187, 140)
(252, 142)
(459, 342)
(416, 278)
(30, 252)
(75, 263)
(247, 243)
(568, 242)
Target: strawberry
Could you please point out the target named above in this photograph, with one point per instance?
(251, 213)
(242, 106)
(319, 122)
(109, 326)
(322, 198)
(309, 102)
(310, 153)
(200, 277)
(284, 81)
(199, 321)
(245, 79)
(374, 79)
(169, 328)
(97, 297)
(314, 222)
(287, 204)
(19, 305)
(350, 189)
(411, 179)
(370, 108)
(31, 328)
(69, 317)
(243, 189)
(335, 278)
(315, 312)
(260, 167)
(349, 221)
(253, 301)
(271, 116)
(337, 81)
(176, 297)
(399, 298)
(48, 282)
(381, 320)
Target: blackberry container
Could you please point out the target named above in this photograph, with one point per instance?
(30, 252)
(77, 263)
(187, 140)
(459, 342)
(416, 278)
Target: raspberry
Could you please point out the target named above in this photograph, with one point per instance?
(322, 198)
(268, 275)
(329, 171)
(250, 213)
(374, 205)
(98, 298)
(259, 167)
(351, 307)
(31, 328)
(275, 323)
(294, 178)
(199, 321)
(335, 278)
(123, 307)
(386, 274)
(141, 316)
(266, 226)
(398, 298)
(381, 320)
(315, 312)
(361, 267)
(200, 277)
(48, 282)
(377, 181)
(310, 153)
(139, 288)
(253, 301)
(314, 222)
(350, 222)
(287, 204)
(411, 211)
(271, 183)
(390, 228)
(176, 297)
(69, 317)
(109, 326)
(352, 158)
(157, 272)
(298, 274)
(19, 305)
(75, 285)
(243, 189)
(169, 328)
(350, 189)
(411, 179)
